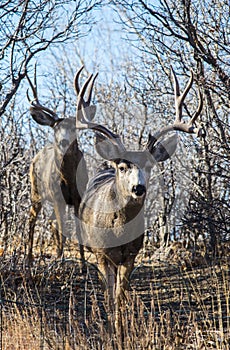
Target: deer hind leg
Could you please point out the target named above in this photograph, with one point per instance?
(34, 211)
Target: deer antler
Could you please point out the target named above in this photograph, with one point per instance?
(179, 125)
(83, 121)
(179, 99)
(77, 88)
(36, 108)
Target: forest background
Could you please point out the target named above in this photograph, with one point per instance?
(132, 44)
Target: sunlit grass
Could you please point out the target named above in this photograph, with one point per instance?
(168, 307)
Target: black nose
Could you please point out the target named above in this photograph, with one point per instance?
(139, 190)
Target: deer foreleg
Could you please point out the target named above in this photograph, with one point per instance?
(60, 238)
(110, 293)
(108, 271)
(79, 238)
(122, 282)
(123, 273)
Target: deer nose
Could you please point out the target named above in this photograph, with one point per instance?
(139, 190)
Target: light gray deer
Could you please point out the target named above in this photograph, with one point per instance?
(58, 172)
(112, 208)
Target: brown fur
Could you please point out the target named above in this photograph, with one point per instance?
(54, 179)
(112, 227)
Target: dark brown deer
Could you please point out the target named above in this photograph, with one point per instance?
(58, 172)
(112, 209)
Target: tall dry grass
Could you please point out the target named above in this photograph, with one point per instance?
(168, 307)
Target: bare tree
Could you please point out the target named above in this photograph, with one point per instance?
(188, 34)
(14, 187)
(28, 28)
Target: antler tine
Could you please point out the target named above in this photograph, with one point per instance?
(76, 78)
(80, 99)
(91, 90)
(179, 99)
(188, 86)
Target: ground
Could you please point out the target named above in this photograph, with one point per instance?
(174, 302)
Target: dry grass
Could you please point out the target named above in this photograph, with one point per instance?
(170, 306)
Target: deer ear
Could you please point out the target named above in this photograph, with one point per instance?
(105, 148)
(42, 118)
(163, 149)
